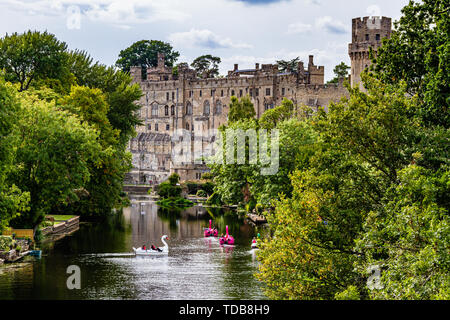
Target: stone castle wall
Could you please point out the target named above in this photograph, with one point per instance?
(198, 105)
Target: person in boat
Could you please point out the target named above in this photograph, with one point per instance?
(144, 247)
(156, 249)
(254, 240)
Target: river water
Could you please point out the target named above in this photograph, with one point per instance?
(195, 268)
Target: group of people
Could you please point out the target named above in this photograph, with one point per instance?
(152, 248)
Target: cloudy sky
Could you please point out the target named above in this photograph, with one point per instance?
(238, 31)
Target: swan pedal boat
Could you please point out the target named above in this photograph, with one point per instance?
(151, 252)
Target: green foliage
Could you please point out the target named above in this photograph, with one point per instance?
(167, 190)
(340, 71)
(351, 293)
(120, 95)
(201, 193)
(207, 66)
(410, 237)
(207, 176)
(12, 200)
(144, 53)
(418, 53)
(33, 56)
(173, 203)
(174, 179)
(288, 65)
(52, 155)
(270, 118)
(240, 110)
(5, 243)
(108, 168)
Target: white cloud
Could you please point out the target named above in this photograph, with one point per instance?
(332, 25)
(299, 27)
(203, 38)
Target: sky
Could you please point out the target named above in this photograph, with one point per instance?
(238, 31)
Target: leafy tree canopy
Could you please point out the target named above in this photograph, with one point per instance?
(207, 66)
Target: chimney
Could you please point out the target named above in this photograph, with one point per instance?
(257, 66)
(235, 67)
(161, 61)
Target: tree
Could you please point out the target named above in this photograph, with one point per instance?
(111, 163)
(241, 109)
(418, 53)
(340, 71)
(53, 151)
(33, 56)
(144, 53)
(270, 118)
(120, 94)
(12, 200)
(289, 66)
(408, 239)
(207, 66)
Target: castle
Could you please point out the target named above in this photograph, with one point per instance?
(185, 101)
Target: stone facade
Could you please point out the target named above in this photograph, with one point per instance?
(197, 105)
(367, 32)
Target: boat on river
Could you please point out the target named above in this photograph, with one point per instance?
(211, 232)
(227, 240)
(151, 252)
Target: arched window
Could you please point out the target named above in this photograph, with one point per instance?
(154, 110)
(218, 109)
(166, 110)
(189, 108)
(172, 110)
(187, 126)
(206, 108)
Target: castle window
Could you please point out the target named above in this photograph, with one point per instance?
(282, 91)
(190, 93)
(188, 109)
(240, 93)
(267, 91)
(154, 110)
(166, 110)
(367, 37)
(167, 127)
(218, 109)
(149, 126)
(232, 92)
(212, 92)
(172, 110)
(221, 93)
(377, 37)
(167, 96)
(187, 126)
(257, 92)
(251, 92)
(200, 93)
(206, 108)
(156, 127)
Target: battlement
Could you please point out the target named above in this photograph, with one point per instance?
(371, 29)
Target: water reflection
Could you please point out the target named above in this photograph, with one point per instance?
(196, 267)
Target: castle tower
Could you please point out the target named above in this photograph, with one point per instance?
(367, 32)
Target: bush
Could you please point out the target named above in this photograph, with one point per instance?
(5, 243)
(201, 193)
(207, 176)
(208, 187)
(174, 178)
(167, 190)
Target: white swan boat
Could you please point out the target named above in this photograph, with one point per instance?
(151, 252)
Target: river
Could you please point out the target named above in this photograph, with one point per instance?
(195, 268)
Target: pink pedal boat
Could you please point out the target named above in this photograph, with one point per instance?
(210, 232)
(227, 240)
